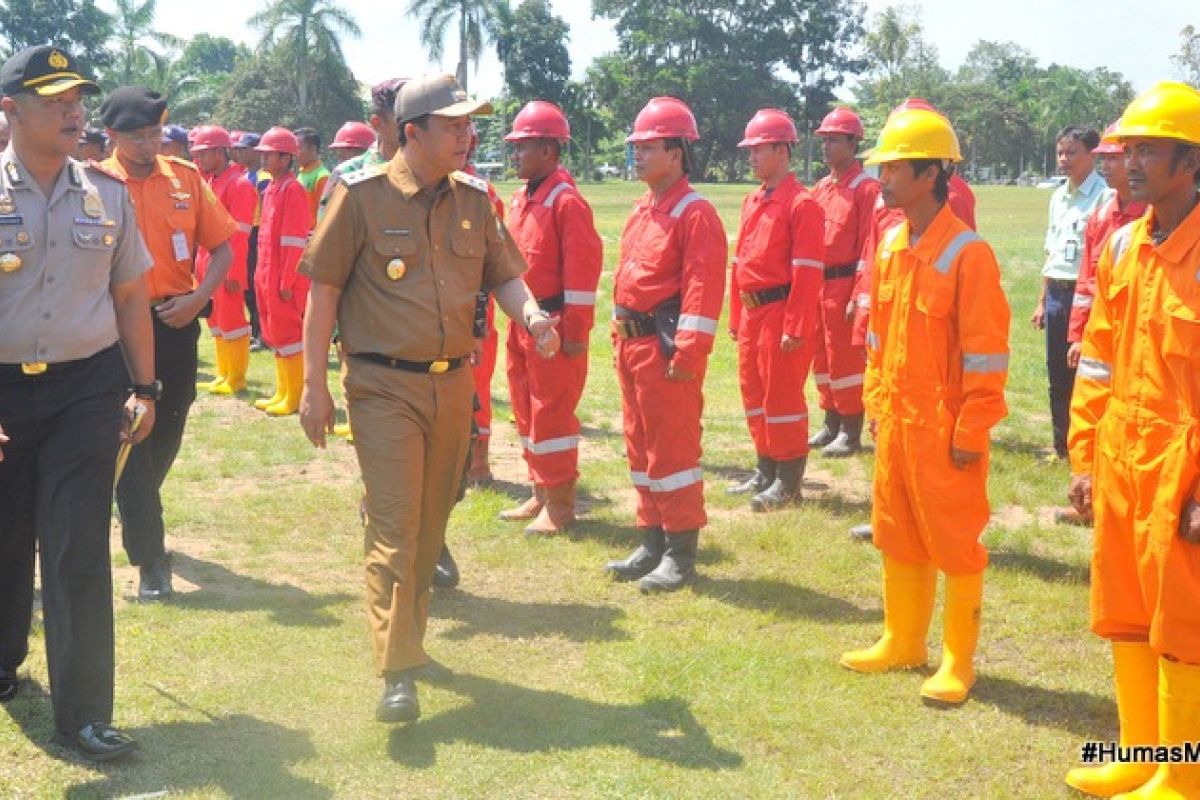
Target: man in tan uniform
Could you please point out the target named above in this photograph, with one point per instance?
(396, 262)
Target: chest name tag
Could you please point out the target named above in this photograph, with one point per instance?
(397, 231)
(12, 219)
(180, 244)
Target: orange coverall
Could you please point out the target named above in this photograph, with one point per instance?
(1135, 428)
(937, 362)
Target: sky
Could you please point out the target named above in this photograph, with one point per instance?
(1136, 39)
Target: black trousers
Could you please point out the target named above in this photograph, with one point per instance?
(251, 294)
(138, 494)
(56, 492)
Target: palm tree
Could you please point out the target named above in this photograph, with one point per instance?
(304, 27)
(133, 27)
(477, 24)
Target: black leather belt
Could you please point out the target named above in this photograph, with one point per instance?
(844, 271)
(630, 324)
(436, 367)
(765, 296)
(33, 369)
(551, 304)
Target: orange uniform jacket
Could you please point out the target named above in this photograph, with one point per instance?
(1135, 428)
(1107, 219)
(780, 244)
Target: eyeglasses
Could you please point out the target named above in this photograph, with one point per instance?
(146, 137)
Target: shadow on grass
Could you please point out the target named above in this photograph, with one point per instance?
(504, 716)
(1048, 569)
(785, 599)
(221, 589)
(240, 755)
(510, 619)
(1084, 715)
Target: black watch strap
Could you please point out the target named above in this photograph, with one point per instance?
(148, 391)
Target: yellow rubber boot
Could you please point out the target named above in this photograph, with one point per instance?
(1178, 723)
(221, 367)
(263, 403)
(1135, 675)
(960, 633)
(237, 360)
(293, 371)
(343, 429)
(908, 591)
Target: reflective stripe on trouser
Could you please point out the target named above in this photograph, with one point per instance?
(1145, 578)
(662, 437)
(482, 374)
(925, 509)
(282, 321)
(228, 319)
(545, 393)
(837, 364)
(411, 431)
(772, 383)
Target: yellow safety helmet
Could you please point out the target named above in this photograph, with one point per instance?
(915, 133)
(1167, 110)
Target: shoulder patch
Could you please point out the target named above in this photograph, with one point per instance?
(478, 184)
(96, 166)
(357, 176)
(183, 162)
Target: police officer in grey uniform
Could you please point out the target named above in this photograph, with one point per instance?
(76, 359)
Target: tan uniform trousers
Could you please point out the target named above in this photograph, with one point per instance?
(411, 433)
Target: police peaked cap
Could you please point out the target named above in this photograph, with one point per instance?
(44, 70)
(133, 107)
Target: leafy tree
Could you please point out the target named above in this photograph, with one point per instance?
(306, 32)
(476, 21)
(138, 60)
(211, 55)
(1187, 60)
(78, 25)
(536, 63)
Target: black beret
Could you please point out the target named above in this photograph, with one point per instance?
(44, 69)
(133, 107)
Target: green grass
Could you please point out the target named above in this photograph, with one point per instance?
(257, 681)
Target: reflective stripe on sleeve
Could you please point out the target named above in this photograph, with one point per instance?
(573, 298)
(679, 480)
(554, 193)
(981, 363)
(1095, 369)
(693, 322)
(682, 205)
(786, 418)
(1081, 301)
(846, 382)
(545, 447)
(872, 340)
(810, 263)
(293, 241)
(952, 250)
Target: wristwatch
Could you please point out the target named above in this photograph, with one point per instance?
(148, 391)
(529, 318)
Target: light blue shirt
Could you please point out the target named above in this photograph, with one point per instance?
(1066, 221)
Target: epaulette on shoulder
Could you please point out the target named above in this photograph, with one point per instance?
(103, 170)
(889, 236)
(357, 176)
(470, 180)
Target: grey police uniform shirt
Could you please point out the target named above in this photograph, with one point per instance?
(59, 256)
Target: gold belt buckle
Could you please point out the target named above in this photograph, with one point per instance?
(749, 299)
(621, 328)
(438, 367)
(33, 367)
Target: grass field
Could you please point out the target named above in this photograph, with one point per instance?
(257, 681)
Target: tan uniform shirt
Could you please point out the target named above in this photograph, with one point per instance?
(59, 256)
(409, 261)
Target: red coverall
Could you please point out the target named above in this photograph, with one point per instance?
(555, 232)
(485, 367)
(228, 319)
(961, 201)
(780, 244)
(674, 247)
(937, 363)
(849, 204)
(1106, 220)
(282, 234)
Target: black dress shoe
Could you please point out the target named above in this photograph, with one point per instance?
(399, 700)
(8, 684)
(154, 585)
(445, 573)
(98, 741)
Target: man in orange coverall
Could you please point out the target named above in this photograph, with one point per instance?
(282, 290)
(227, 321)
(773, 310)
(937, 363)
(552, 226)
(847, 196)
(667, 295)
(1135, 447)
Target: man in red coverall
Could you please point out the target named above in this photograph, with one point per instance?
(773, 310)
(227, 321)
(552, 226)
(667, 295)
(282, 291)
(847, 196)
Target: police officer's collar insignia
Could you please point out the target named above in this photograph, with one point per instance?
(470, 180)
(73, 175)
(14, 174)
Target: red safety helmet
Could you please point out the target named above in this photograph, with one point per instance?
(841, 120)
(1109, 144)
(664, 118)
(279, 139)
(353, 135)
(209, 137)
(769, 126)
(540, 119)
(918, 103)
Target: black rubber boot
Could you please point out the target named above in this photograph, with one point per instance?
(642, 560)
(849, 441)
(787, 490)
(764, 476)
(677, 567)
(833, 423)
(445, 573)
